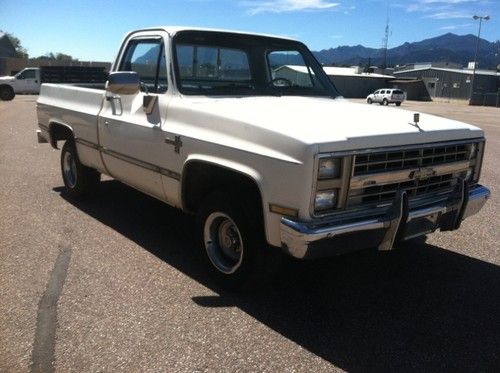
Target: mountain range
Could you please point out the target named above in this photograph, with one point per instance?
(445, 48)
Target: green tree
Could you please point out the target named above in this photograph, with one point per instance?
(58, 57)
(21, 52)
(65, 57)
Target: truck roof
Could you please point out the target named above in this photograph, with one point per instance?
(172, 30)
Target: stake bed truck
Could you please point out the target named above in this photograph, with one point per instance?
(30, 79)
(208, 122)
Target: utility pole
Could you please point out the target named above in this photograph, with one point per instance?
(385, 41)
(475, 18)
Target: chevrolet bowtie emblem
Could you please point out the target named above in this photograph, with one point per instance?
(422, 173)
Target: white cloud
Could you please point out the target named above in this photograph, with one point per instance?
(451, 2)
(449, 15)
(429, 6)
(279, 6)
(455, 27)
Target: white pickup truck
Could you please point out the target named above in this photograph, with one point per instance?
(30, 79)
(25, 81)
(202, 120)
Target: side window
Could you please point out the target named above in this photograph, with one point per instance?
(290, 66)
(147, 58)
(27, 74)
(162, 74)
(382, 92)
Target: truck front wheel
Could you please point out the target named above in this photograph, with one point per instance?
(231, 239)
(6, 93)
(79, 180)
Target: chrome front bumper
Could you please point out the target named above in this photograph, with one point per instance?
(333, 237)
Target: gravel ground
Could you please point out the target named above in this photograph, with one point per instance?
(116, 284)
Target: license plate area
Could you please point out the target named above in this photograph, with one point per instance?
(421, 225)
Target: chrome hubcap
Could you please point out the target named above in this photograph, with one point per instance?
(69, 169)
(223, 242)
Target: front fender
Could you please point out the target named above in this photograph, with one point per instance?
(244, 170)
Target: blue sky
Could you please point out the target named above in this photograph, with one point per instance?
(93, 29)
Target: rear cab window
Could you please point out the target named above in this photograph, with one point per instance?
(212, 67)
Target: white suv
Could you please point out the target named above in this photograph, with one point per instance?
(386, 96)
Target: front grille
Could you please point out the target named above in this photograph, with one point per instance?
(411, 158)
(382, 193)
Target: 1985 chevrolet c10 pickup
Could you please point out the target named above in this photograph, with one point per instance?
(207, 121)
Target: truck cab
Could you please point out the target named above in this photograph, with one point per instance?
(25, 81)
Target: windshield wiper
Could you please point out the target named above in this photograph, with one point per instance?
(234, 85)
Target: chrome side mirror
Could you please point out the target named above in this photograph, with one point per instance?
(123, 83)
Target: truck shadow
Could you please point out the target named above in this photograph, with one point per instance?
(422, 308)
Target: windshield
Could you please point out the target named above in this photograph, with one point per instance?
(214, 63)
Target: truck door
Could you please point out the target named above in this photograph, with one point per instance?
(27, 81)
(131, 139)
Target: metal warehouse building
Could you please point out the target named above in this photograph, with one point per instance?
(351, 82)
(456, 83)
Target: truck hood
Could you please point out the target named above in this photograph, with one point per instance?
(6, 79)
(287, 123)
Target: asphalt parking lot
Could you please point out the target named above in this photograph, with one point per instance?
(116, 283)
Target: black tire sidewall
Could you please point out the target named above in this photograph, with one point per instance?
(86, 178)
(251, 234)
(6, 94)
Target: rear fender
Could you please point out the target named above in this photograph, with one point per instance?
(59, 131)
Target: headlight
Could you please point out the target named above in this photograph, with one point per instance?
(329, 168)
(325, 200)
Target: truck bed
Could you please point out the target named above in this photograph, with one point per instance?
(74, 106)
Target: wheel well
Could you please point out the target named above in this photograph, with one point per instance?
(2, 86)
(58, 132)
(10, 91)
(201, 178)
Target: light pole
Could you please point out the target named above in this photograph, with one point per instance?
(480, 18)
